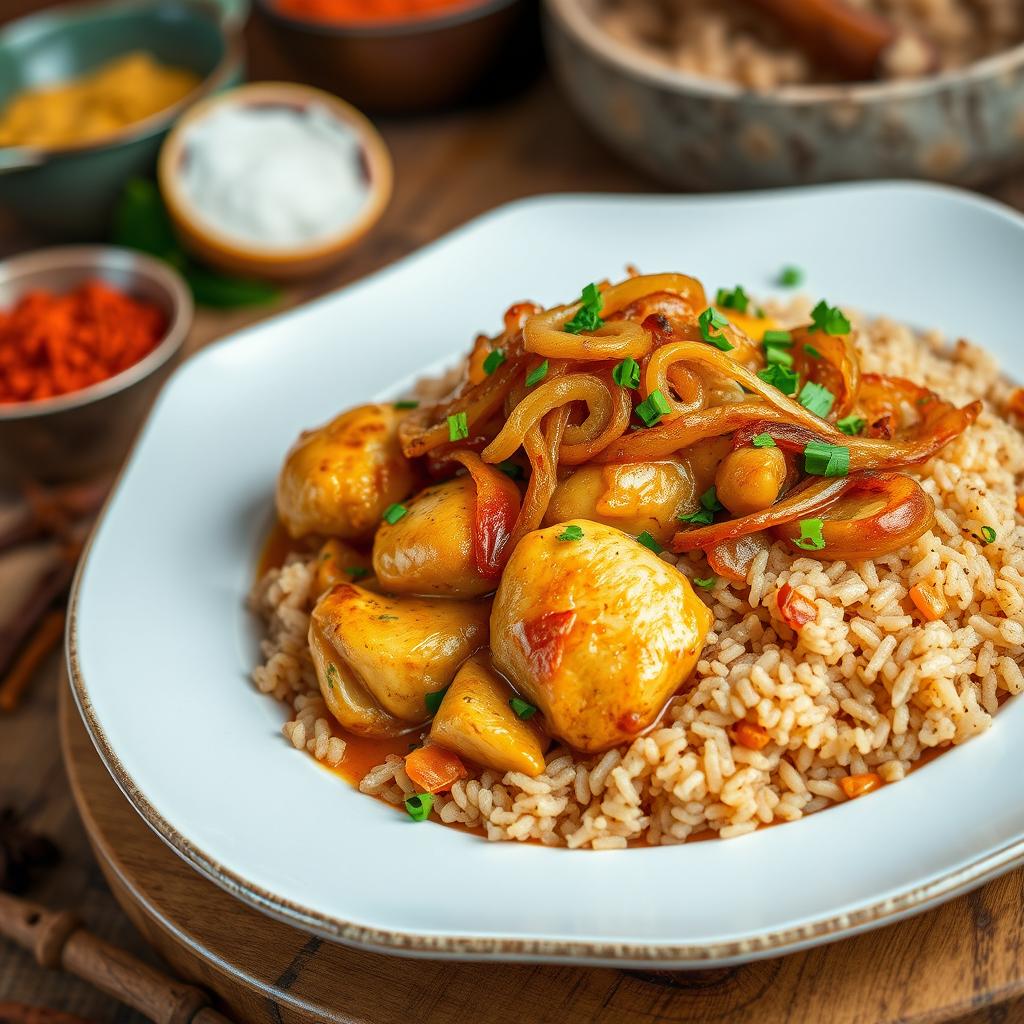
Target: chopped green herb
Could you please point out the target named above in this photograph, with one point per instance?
(763, 441)
(571, 532)
(458, 426)
(851, 425)
(386, 618)
(587, 317)
(778, 355)
(511, 469)
(648, 541)
(760, 313)
(418, 806)
(537, 374)
(817, 399)
(783, 338)
(407, 403)
(780, 377)
(811, 536)
(357, 572)
(627, 374)
(711, 325)
(332, 674)
(494, 359)
(823, 459)
(705, 584)
(522, 708)
(736, 299)
(988, 534)
(812, 351)
(829, 319)
(652, 408)
(433, 700)
(705, 515)
(393, 513)
(790, 277)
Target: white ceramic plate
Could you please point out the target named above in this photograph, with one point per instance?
(161, 647)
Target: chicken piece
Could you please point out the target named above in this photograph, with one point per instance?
(595, 630)
(398, 649)
(430, 549)
(338, 480)
(338, 562)
(635, 497)
(476, 721)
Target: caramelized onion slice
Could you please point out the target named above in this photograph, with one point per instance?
(831, 361)
(876, 514)
(733, 559)
(497, 509)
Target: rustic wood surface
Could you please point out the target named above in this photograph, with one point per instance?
(962, 959)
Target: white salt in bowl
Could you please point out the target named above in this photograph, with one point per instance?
(211, 243)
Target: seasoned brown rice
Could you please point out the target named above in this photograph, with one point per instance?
(867, 687)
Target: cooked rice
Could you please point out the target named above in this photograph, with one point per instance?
(866, 687)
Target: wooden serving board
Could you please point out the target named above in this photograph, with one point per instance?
(957, 962)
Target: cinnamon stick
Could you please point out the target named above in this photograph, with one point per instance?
(47, 635)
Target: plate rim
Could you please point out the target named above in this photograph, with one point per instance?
(394, 941)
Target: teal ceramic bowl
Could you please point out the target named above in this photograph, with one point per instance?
(71, 191)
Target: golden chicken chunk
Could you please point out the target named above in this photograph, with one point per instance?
(398, 649)
(595, 630)
(338, 480)
(635, 497)
(430, 549)
(476, 720)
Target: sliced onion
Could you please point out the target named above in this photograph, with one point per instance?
(834, 367)
(495, 515)
(733, 559)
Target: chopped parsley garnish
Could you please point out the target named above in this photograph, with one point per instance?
(851, 425)
(418, 806)
(537, 374)
(783, 338)
(705, 515)
(823, 459)
(790, 277)
(812, 351)
(332, 674)
(817, 399)
(988, 534)
(357, 572)
(653, 407)
(763, 441)
(811, 536)
(571, 532)
(523, 709)
(736, 299)
(711, 325)
(458, 426)
(587, 317)
(511, 469)
(778, 355)
(780, 377)
(648, 541)
(393, 513)
(407, 403)
(705, 584)
(433, 700)
(627, 373)
(829, 319)
(494, 359)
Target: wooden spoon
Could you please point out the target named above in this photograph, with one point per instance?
(833, 32)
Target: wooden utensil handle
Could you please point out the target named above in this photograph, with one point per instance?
(57, 939)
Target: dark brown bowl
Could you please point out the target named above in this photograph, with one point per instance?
(409, 65)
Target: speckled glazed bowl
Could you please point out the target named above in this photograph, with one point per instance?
(964, 126)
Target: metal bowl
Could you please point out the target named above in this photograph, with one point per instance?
(412, 64)
(962, 126)
(71, 191)
(87, 432)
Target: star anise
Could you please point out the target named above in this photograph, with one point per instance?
(23, 853)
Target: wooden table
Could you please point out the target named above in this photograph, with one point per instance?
(451, 167)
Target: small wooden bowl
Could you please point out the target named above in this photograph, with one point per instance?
(228, 253)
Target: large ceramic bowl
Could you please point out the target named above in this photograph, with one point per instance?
(85, 432)
(71, 191)
(962, 126)
(413, 63)
(160, 659)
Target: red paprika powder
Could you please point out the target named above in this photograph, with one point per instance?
(54, 344)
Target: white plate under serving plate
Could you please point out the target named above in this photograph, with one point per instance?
(160, 644)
